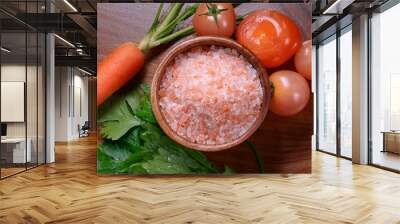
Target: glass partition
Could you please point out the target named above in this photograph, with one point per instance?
(326, 94)
(346, 92)
(385, 89)
(13, 94)
(23, 90)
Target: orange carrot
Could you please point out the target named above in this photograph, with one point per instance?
(117, 68)
(126, 60)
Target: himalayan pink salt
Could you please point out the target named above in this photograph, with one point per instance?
(210, 95)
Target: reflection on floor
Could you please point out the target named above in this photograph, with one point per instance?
(387, 159)
(70, 191)
(12, 169)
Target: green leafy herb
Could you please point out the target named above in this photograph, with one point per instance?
(229, 170)
(135, 144)
(115, 129)
(115, 150)
(162, 30)
(140, 105)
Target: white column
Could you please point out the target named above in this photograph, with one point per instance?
(50, 92)
(50, 100)
(360, 90)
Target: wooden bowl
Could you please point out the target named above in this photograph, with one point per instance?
(207, 41)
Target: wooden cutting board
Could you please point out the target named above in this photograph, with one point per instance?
(283, 142)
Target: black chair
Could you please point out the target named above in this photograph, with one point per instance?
(84, 130)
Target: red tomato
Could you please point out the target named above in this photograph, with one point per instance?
(273, 37)
(290, 93)
(214, 19)
(302, 59)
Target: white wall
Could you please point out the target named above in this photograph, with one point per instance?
(62, 81)
(13, 101)
(16, 73)
(12, 73)
(70, 83)
(81, 85)
(33, 126)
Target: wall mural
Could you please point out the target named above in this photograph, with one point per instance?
(209, 88)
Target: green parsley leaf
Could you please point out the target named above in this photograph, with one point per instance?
(135, 144)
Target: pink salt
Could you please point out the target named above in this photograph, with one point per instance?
(211, 95)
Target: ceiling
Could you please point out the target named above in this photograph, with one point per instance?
(72, 20)
(332, 15)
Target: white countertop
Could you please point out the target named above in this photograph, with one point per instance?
(12, 140)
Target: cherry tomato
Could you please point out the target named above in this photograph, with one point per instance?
(214, 19)
(290, 93)
(302, 59)
(273, 37)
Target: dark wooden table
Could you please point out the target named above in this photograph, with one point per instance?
(283, 142)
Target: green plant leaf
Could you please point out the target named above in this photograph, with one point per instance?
(132, 138)
(116, 118)
(156, 135)
(116, 129)
(156, 140)
(182, 158)
(160, 165)
(140, 104)
(229, 170)
(114, 158)
(137, 169)
(106, 165)
(115, 150)
(135, 144)
(113, 109)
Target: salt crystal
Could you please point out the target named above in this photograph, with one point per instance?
(210, 95)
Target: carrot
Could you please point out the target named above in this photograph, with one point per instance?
(127, 59)
(117, 68)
